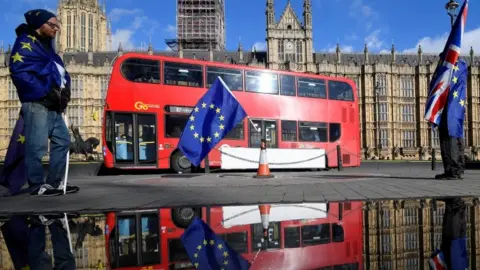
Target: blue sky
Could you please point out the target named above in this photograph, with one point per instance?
(352, 23)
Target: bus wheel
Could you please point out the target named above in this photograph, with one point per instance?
(180, 163)
(182, 217)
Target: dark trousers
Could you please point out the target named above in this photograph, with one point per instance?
(453, 152)
(38, 258)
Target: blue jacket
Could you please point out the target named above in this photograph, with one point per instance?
(34, 68)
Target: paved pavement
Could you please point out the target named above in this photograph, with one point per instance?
(371, 181)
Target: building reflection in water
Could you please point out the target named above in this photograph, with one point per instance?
(399, 234)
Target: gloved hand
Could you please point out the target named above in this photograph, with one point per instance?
(64, 99)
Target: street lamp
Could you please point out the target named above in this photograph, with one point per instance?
(451, 8)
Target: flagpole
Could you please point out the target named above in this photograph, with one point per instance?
(65, 179)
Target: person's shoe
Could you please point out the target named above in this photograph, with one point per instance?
(69, 189)
(443, 176)
(46, 190)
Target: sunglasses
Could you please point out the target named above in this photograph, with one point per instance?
(53, 26)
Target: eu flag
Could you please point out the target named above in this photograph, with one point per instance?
(208, 251)
(13, 174)
(215, 114)
(457, 100)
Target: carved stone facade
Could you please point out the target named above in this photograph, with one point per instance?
(401, 81)
(403, 234)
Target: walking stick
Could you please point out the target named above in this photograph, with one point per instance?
(65, 179)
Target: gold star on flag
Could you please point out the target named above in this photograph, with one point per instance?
(222, 117)
(225, 254)
(212, 106)
(192, 127)
(199, 247)
(221, 126)
(17, 57)
(195, 135)
(455, 68)
(462, 102)
(209, 140)
(26, 45)
(204, 241)
(220, 246)
(225, 262)
(216, 135)
(192, 118)
(455, 79)
(455, 94)
(218, 110)
(196, 265)
(204, 105)
(195, 255)
(201, 140)
(33, 38)
(21, 139)
(196, 109)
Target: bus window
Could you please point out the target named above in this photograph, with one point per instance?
(109, 137)
(237, 241)
(292, 237)
(147, 138)
(289, 131)
(232, 77)
(340, 91)
(123, 137)
(174, 125)
(127, 244)
(313, 132)
(141, 70)
(272, 241)
(315, 234)
(261, 82)
(287, 85)
(337, 233)
(183, 74)
(237, 133)
(311, 88)
(150, 239)
(335, 131)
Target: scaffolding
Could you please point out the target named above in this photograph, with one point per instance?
(200, 25)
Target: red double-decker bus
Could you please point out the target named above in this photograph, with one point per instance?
(303, 117)
(150, 240)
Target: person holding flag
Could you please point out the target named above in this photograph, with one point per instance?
(446, 101)
(43, 87)
(215, 114)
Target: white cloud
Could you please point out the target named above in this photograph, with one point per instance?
(171, 29)
(351, 37)
(123, 36)
(260, 46)
(373, 41)
(363, 13)
(436, 44)
(343, 49)
(117, 13)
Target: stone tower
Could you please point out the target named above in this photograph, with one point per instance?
(84, 26)
(290, 41)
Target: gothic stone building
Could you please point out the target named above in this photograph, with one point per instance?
(401, 80)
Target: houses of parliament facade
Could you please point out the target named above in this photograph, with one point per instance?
(392, 88)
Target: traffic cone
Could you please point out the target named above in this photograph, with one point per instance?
(263, 169)
(265, 217)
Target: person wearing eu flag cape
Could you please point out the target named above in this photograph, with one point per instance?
(43, 87)
(451, 125)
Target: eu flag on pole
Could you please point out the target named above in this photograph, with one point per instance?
(440, 85)
(457, 100)
(215, 114)
(13, 174)
(208, 251)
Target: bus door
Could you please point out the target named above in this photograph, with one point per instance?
(134, 139)
(263, 129)
(135, 240)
